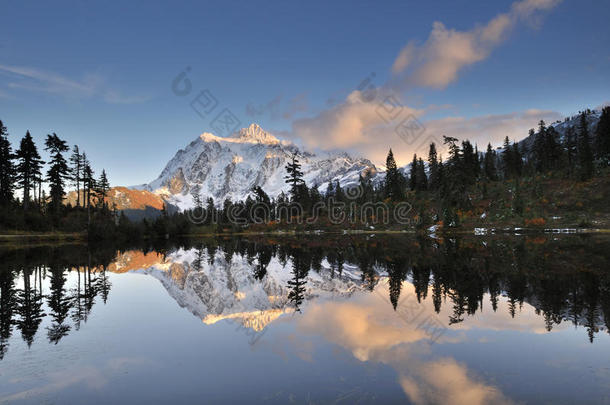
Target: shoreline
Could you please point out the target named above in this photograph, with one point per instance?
(9, 238)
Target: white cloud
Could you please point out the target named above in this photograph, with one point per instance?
(37, 80)
(340, 127)
(438, 61)
(355, 124)
(491, 128)
(49, 82)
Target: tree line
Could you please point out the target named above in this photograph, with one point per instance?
(24, 183)
(34, 286)
(459, 273)
(438, 188)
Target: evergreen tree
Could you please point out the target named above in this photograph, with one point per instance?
(76, 159)
(489, 164)
(102, 186)
(210, 212)
(454, 185)
(552, 148)
(455, 155)
(260, 196)
(570, 146)
(602, 136)
(7, 168)
(339, 193)
(470, 163)
(413, 173)
(314, 196)
(394, 181)
(477, 162)
(58, 171)
(88, 181)
(517, 160)
(433, 168)
(539, 149)
(29, 165)
(330, 190)
(294, 176)
(366, 185)
(508, 159)
(585, 155)
(422, 179)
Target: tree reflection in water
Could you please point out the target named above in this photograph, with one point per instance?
(564, 279)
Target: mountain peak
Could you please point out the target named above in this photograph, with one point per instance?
(254, 133)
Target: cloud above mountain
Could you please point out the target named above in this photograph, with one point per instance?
(352, 123)
(376, 140)
(368, 121)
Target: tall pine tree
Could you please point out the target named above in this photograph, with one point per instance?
(29, 165)
(394, 181)
(294, 177)
(489, 164)
(434, 178)
(7, 168)
(413, 173)
(539, 149)
(508, 159)
(102, 186)
(517, 160)
(58, 171)
(422, 179)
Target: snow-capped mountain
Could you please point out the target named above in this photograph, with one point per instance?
(229, 167)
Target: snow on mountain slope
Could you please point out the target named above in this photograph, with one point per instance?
(230, 167)
(562, 127)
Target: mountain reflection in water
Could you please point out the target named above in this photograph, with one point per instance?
(383, 299)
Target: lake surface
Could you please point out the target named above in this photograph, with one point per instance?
(309, 319)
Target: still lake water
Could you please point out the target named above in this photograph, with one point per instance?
(324, 319)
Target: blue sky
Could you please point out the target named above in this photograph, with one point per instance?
(100, 75)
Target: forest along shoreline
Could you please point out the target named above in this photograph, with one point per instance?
(547, 182)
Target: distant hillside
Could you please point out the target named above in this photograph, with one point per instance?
(136, 204)
(562, 127)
